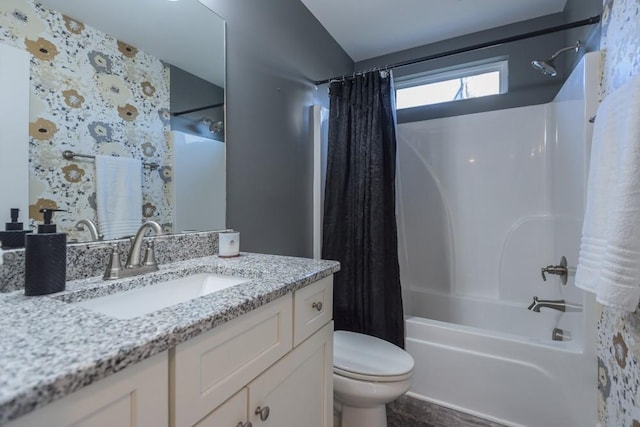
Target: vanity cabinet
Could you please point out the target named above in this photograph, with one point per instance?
(272, 366)
(252, 368)
(136, 396)
(298, 390)
(207, 370)
(232, 413)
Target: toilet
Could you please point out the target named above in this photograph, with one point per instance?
(367, 374)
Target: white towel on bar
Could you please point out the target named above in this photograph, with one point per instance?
(118, 196)
(609, 263)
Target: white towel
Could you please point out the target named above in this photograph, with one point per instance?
(609, 263)
(118, 196)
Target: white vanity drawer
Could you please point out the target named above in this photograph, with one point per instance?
(210, 368)
(312, 308)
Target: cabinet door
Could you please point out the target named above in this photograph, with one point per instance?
(231, 413)
(210, 368)
(137, 396)
(298, 390)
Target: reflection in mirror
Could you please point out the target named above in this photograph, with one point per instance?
(106, 77)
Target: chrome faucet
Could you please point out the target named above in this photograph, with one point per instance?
(93, 230)
(133, 260)
(133, 267)
(558, 304)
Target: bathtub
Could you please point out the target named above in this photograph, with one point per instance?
(505, 368)
(484, 201)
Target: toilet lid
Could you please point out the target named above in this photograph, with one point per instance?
(365, 355)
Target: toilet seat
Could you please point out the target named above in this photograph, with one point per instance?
(368, 358)
(372, 378)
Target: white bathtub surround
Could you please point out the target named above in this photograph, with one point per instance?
(199, 182)
(484, 202)
(609, 262)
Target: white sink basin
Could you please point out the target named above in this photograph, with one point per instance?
(136, 302)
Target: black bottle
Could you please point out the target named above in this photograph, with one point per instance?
(45, 256)
(13, 236)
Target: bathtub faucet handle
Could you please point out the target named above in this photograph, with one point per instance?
(560, 270)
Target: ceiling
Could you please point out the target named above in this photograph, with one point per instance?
(377, 27)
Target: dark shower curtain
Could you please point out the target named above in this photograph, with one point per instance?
(359, 228)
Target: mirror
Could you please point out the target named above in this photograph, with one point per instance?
(122, 78)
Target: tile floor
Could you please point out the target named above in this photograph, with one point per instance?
(410, 412)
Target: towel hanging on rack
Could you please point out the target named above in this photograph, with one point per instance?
(609, 263)
(118, 196)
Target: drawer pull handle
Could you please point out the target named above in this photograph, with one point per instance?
(317, 305)
(263, 412)
(247, 424)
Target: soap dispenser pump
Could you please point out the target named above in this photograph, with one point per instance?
(45, 258)
(14, 224)
(13, 236)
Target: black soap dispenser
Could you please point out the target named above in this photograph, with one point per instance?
(13, 236)
(45, 258)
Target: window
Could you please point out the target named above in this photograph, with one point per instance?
(470, 81)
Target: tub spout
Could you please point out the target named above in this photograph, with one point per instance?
(558, 304)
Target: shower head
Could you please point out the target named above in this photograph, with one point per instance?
(547, 66)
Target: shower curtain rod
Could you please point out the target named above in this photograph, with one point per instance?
(589, 21)
(193, 110)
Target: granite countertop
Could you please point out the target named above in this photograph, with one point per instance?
(51, 348)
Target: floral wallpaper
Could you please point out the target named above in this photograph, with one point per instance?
(91, 94)
(619, 333)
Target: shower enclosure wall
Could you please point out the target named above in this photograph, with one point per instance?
(484, 202)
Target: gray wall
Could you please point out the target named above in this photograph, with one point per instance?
(526, 86)
(275, 50)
